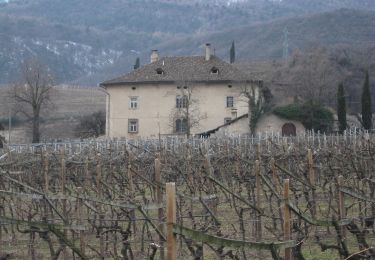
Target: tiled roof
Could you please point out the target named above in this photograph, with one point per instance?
(181, 69)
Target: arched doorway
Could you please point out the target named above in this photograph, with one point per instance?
(289, 129)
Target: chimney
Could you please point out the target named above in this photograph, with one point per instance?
(208, 51)
(154, 56)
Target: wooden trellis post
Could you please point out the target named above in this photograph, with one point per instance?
(312, 179)
(311, 167)
(1, 232)
(362, 210)
(274, 176)
(80, 220)
(87, 173)
(46, 178)
(258, 201)
(342, 213)
(131, 195)
(100, 207)
(259, 150)
(189, 171)
(159, 198)
(63, 179)
(287, 225)
(171, 219)
(210, 171)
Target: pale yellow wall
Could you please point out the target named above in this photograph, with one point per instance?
(157, 102)
(267, 123)
(273, 124)
(236, 128)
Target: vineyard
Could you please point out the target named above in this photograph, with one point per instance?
(306, 197)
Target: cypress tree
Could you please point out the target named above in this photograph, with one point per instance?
(366, 104)
(232, 53)
(137, 63)
(341, 108)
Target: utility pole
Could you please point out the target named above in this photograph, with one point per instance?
(286, 44)
(9, 125)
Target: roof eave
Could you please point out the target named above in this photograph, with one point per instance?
(107, 84)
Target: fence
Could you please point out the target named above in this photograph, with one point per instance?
(239, 197)
(314, 140)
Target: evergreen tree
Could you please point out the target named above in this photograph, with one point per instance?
(137, 63)
(366, 104)
(232, 53)
(341, 108)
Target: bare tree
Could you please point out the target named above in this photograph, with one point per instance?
(185, 116)
(32, 93)
(314, 75)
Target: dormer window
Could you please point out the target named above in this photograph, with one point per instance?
(214, 70)
(159, 71)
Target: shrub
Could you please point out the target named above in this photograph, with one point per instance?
(92, 125)
(312, 115)
(291, 111)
